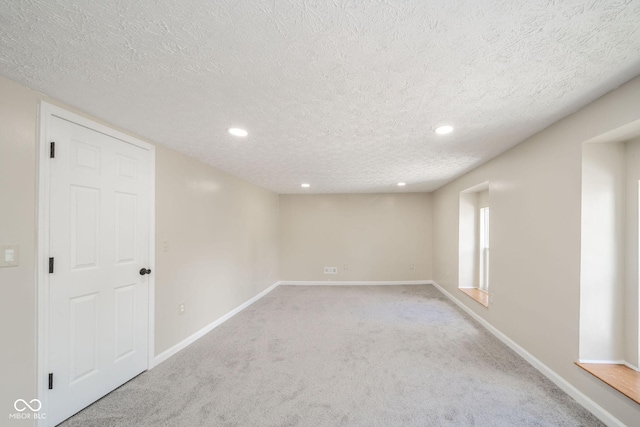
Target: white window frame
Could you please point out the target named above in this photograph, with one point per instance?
(483, 242)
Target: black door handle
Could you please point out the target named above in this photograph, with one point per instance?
(144, 271)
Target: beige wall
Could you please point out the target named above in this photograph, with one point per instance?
(222, 236)
(378, 236)
(217, 244)
(17, 226)
(483, 199)
(535, 240)
(631, 290)
(609, 268)
(602, 252)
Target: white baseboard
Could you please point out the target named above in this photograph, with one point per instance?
(603, 362)
(199, 334)
(354, 283)
(629, 365)
(609, 362)
(597, 410)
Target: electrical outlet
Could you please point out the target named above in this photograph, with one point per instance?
(345, 267)
(165, 246)
(331, 270)
(410, 266)
(181, 308)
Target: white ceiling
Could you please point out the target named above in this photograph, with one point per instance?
(341, 94)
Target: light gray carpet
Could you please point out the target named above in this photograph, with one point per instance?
(342, 356)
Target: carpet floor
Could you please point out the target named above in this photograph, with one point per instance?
(342, 356)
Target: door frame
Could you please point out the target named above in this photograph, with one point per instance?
(46, 112)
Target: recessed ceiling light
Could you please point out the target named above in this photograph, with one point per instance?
(305, 185)
(238, 132)
(402, 184)
(443, 130)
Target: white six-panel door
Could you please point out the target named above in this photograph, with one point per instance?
(99, 209)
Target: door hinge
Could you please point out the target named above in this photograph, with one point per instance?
(51, 265)
(52, 150)
(50, 381)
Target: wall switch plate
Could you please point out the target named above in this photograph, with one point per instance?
(181, 308)
(331, 270)
(345, 267)
(165, 246)
(410, 266)
(9, 255)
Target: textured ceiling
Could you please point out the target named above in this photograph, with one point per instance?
(341, 94)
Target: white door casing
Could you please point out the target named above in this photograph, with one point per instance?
(95, 309)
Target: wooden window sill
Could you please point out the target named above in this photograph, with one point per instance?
(620, 377)
(479, 296)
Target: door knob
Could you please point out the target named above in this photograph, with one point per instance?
(144, 271)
